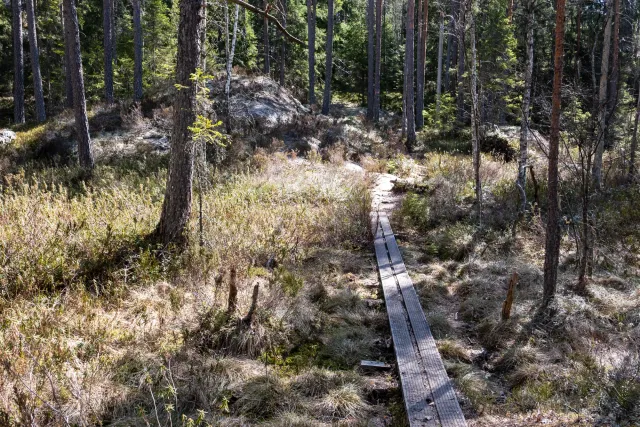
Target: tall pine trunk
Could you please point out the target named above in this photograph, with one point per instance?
(108, 44)
(176, 207)
(18, 62)
(370, 59)
(41, 114)
(265, 39)
(72, 39)
(439, 77)
(377, 63)
(283, 42)
(137, 50)
(552, 243)
(452, 40)
(68, 84)
(326, 99)
(634, 139)
(230, 54)
(311, 30)
(475, 117)
(602, 100)
(408, 76)
(521, 181)
(461, 51)
(615, 66)
(423, 19)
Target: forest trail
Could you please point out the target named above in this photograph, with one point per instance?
(428, 395)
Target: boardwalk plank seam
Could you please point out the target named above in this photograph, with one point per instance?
(412, 334)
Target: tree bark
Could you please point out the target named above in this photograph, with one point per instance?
(326, 99)
(439, 78)
(68, 84)
(578, 59)
(265, 39)
(283, 42)
(108, 43)
(408, 76)
(423, 19)
(137, 50)
(311, 30)
(521, 180)
(177, 201)
(72, 39)
(18, 62)
(452, 49)
(634, 140)
(602, 101)
(370, 59)
(377, 62)
(615, 66)
(552, 243)
(460, 92)
(230, 55)
(475, 117)
(41, 114)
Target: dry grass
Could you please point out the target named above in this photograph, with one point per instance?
(578, 364)
(98, 323)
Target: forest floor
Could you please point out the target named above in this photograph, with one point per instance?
(100, 325)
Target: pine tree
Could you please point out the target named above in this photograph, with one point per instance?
(41, 115)
(326, 99)
(18, 62)
(176, 207)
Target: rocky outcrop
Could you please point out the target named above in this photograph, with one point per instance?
(258, 104)
(7, 136)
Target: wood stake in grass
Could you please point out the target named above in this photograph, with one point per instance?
(232, 302)
(506, 306)
(254, 304)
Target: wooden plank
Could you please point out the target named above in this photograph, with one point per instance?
(414, 386)
(444, 396)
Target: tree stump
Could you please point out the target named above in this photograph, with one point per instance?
(508, 302)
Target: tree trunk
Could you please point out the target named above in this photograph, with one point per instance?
(283, 42)
(18, 62)
(460, 93)
(423, 19)
(311, 29)
(634, 140)
(137, 51)
(72, 39)
(230, 55)
(68, 84)
(521, 180)
(615, 66)
(265, 40)
(452, 49)
(377, 64)
(408, 76)
(177, 201)
(578, 59)
(108, 43)
(439, 78)
(602, 101)
(41, 115)
(370, 59)
(552, 244)
(475, 118)
(326, 99)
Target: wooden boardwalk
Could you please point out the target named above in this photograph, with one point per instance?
(429, 398)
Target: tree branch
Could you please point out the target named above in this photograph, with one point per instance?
(271, 18)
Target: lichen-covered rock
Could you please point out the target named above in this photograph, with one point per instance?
(258, 104)
(7, 136)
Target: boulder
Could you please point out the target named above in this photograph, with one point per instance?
(259, 104)
(302, 145)
(7, 136)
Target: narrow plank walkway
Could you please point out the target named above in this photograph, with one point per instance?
(429, 397)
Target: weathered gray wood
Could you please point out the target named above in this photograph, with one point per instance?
(412, 378)
(444, 396)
